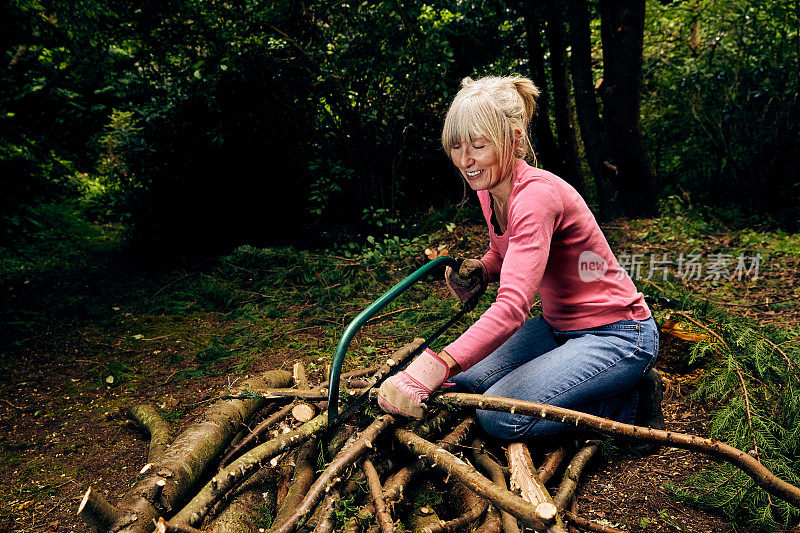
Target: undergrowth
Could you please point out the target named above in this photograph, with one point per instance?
(276, 298)
(751, 383)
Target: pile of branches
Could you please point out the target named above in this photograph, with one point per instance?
(264, 453)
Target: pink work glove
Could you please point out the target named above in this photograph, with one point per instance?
(403, 393)
(469, 282)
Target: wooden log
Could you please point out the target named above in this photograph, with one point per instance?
(254, 436)
(323, 483)
(492, 522)
(185, 460)
(241, 514)
(147, 416)
(303, 412)
(572, 475)
(378, 497)
(551, 463)
(327, 519)
(423, 515)
(496, 474)
(763, 477)
(304, 472)
(525, 478)
(242, 468)
(396, 485)
(100, 515)
(299, 376)
(237, 511)
(470, 477)
(473, 508)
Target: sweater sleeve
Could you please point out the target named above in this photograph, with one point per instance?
(493, 261)
(532, 218)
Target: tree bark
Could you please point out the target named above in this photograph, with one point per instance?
(244, 467)
(525, 477)
(498, 477)
(551, 463)
(544, 142)
(378, 497)
(473, 508)
(147, 417)
(622, 32)
(587, 108)
(565, 128)
(569, 483)
(302, 479)
(323, 483)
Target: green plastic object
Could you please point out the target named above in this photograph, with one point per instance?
(363, 317)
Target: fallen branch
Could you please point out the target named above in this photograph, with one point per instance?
(572, 475)
(242, 468)
(589, 525)
(185, 460)
(525, 477)
(303, 477)
(147, 417)
(398, 482)
(253, 437)
(496, 474)
(240, 509)
(492, 522)
(760, 474)
(551, 463)
(470, 477)
(345, 458)
(378, 497)
(327, 512)
(163, 526)
(475, 507)
(98, 513)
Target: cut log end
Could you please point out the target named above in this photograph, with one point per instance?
(546, 511)
(303, 412)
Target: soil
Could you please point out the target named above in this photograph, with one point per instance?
(61, 429)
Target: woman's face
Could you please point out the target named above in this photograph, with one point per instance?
(478, 162)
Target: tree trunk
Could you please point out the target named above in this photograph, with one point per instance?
(622, 28)
(543, 141)
(587, 108)
(565, 128)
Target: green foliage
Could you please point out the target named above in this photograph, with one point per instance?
(722, 110)
(751, 383)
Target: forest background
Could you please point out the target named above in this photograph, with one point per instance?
(153, 138)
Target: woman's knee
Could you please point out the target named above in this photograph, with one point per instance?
(499, 425)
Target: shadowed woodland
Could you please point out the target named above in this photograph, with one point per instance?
(196, 198)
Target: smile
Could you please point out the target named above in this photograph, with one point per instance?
(473, 174)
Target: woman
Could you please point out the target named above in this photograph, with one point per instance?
(595, 340)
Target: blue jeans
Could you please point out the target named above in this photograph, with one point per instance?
(593, 370)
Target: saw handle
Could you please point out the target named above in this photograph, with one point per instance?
(364, 316)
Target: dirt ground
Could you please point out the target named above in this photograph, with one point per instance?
(61, 431)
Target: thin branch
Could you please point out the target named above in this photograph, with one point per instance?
(471, 478)
(760, 474)
(330, 475)
(749, 417)
(378, 497)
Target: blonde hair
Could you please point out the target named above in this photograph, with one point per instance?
(494, 108)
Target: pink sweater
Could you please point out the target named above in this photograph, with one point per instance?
(552, 246)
